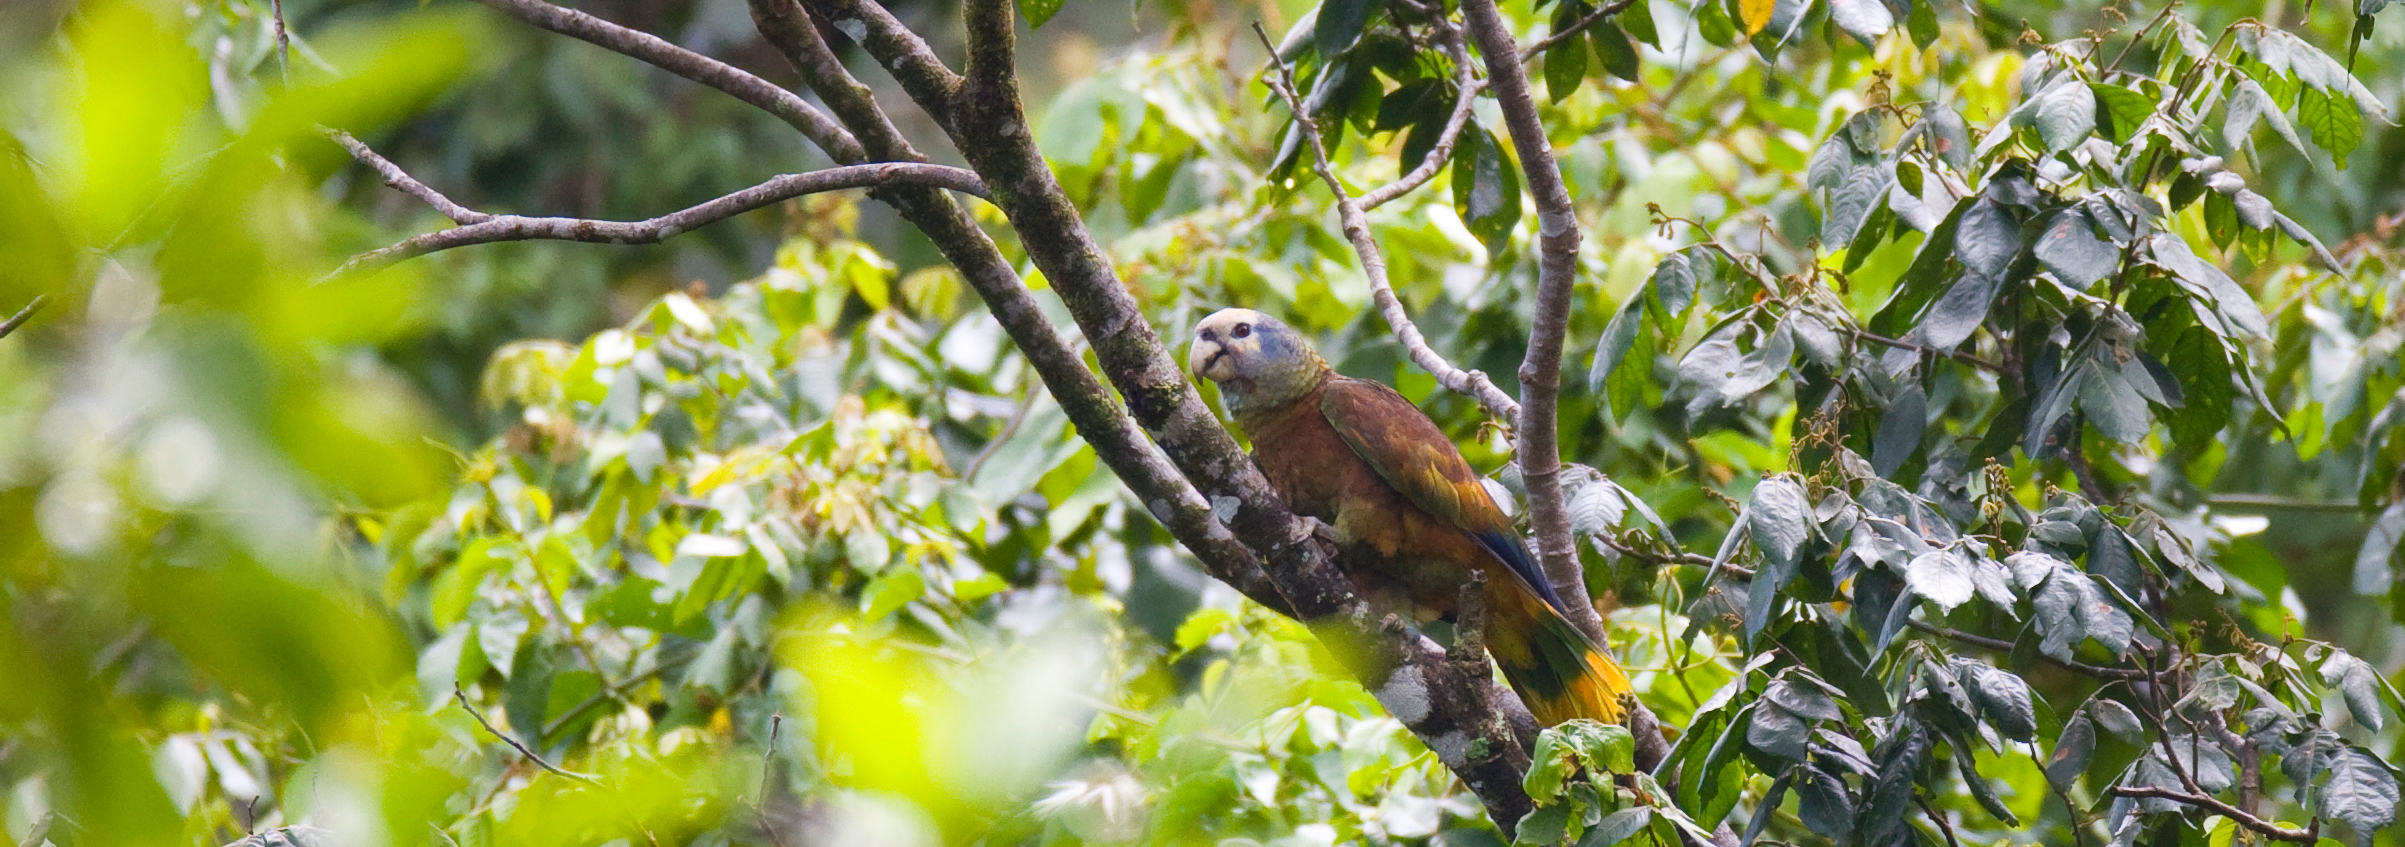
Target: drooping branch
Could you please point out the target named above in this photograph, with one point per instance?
(1557, 272)
(1466, 86)
(1355, 224)
(23, 315)
(1458, 717)
(651, 49)
(401, 181)
(2217, 806)
(1576, 29)
(490, 229)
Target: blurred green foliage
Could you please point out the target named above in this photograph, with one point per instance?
(804, 552)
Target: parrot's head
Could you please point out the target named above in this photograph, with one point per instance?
(1257, 360)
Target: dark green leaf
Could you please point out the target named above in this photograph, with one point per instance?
(2357, 684)
(1900, 430)
(1889, 798)
(2375, 569)
(1982, 789)
(1713, 23)
(1546, 825)
(1617, 827)
(1988, 239)
(2119, 110)
(1565, 66)
(1340, 24)
(1852, 202)
(1922, 24)
(1486, 189)
(1823, 804)
(2072, 750)
(2362, 793)
(2071, 251)
(1637, 21)
(1613, 47)
(1954, 317)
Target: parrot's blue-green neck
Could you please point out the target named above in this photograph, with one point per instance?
(1276, 382)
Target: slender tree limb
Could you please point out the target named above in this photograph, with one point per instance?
(499, 228)
(1557, 272)
(1087, 402)
(1453, 714)
(651, 49)
(462, 695)
(1472, 384)
(401, 180)
(2206, 801)
(1466, 86)
(1606, 10)
(23, 315)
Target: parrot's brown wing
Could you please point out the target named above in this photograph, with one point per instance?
(1418, 461)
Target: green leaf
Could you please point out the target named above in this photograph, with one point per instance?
(1780, 519)
(1637, 21)
(1565, 62)
(2334, 123)
(2119, 110)
(1900, 429)
(1613, 47)
(1851, 203)
(1921, 22)
(1865, 20)
(2357, 684)
(1546, 825)
(1713, 23)
(2070, 250)
(1617, 826)
(1823, 804)
(1340, 24)
(1954, 317)
(2072, 751)
(1486, 189)
(890, 591)
(2064, 115)
(1038, 11)
(2375, 570)
(1885, 805)
(2362, 793)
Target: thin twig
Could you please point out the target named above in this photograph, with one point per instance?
(498, 228)
(1943, 826)
(2214, 804)
(768, 763)
(1473, 384)
(402, 181)
(2003, 646)
(275, 8)
(651, 49)
(1467, 86)
(462, 695)
(23, 315)
(1572, 31)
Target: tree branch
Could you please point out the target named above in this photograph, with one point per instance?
(402, 181)
(2214, 804)
(1088, 404)
(462, 695)
(767, 96)
(1454, 715)
(1466, 87)
(2002, 646)
(23, 315)
(1606, 10)
(497, 228)
(1557, 272)
(1472, 384)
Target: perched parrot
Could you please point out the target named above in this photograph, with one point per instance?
(1412, 520)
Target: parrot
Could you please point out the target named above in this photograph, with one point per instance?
(1412, 521)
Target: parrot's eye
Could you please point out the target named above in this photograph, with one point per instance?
(1209, 335)
(1242, 330)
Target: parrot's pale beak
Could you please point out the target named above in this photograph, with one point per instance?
(1207, 359)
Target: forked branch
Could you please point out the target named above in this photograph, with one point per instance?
(1473, 384)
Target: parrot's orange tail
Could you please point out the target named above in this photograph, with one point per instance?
(1560, 673)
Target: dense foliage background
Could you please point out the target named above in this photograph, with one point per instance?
(2023, 380)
